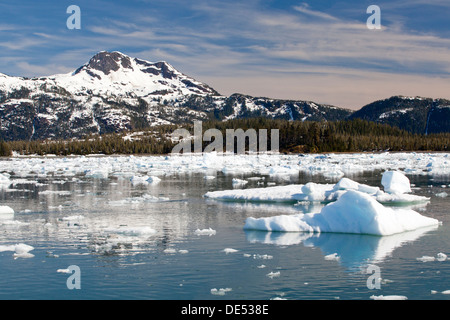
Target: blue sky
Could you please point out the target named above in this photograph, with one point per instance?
(311, 50)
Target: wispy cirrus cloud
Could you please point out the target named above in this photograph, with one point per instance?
(307, 50)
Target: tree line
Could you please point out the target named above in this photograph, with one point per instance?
(294, 137)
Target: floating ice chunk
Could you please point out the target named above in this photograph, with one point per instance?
(395, 182)
(205, 232)
(230, 250)
(442, 194)
(137, 180)
(20, 250)
(132, 231)
(64, 271)
(6, 212)
(391, 297)
(426, 258)
(441, 256)
(446, 292)
(353, 212)
(274, 274)
(209, 177)
(221, 291)
(275, 194)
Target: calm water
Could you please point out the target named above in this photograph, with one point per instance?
(102, 226)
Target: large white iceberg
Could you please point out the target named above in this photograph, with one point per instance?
(354, 212)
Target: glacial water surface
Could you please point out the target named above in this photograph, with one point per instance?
(166, 241)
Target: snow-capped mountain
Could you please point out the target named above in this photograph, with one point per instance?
(114, 92)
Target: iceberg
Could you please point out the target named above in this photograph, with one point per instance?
(354, 212)
(395, 182)
(315, 192)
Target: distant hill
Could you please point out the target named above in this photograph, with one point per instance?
(414, 114)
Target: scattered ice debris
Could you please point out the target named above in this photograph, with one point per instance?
(209, 177)
(275, 165)
(353, 212)
(230, 250)
(390, 297)
(183, 251)
(332, 257)
(20, 250)
(205, 232)
(221, 291)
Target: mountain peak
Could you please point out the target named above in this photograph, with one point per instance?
(107, 62)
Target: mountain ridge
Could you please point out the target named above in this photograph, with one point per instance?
(114, 92)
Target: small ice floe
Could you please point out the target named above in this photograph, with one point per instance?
(272, 274)
(205, 232)
(64, 271)
(209, 177)
(20, 250)
(390, 297)
(229, 250)
(442, 194)
(332, 257)
(221, 291)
